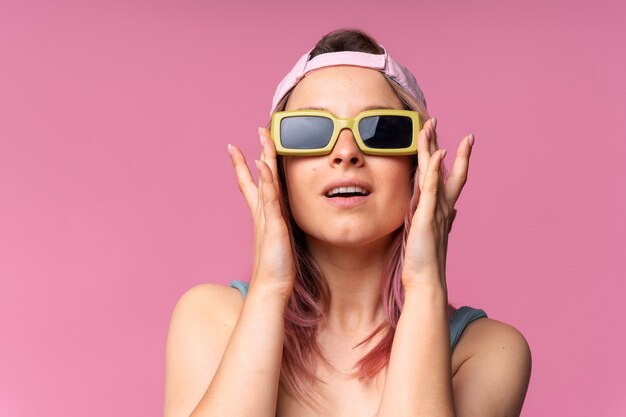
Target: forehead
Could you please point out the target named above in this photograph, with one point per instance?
(346, 89)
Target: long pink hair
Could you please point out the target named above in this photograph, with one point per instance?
(307, 306)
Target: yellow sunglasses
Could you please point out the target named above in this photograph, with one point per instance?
(315, 132)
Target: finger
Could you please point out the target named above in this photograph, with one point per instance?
(451, 219)
(259, 219)
(423, 152)
(270, 154)
(434, 140)
(271, 204)
(261, 158)
(259, 225)
(429, 194)
(434, 146)
(244, 178)
(458, 176)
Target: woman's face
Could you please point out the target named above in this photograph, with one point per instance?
(347, 221)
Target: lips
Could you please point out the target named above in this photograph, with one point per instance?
(347, 192)
(347, 186)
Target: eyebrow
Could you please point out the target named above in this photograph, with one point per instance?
(371, 107)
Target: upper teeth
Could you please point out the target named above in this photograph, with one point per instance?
(343, 190)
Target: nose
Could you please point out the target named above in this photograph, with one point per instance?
(346, 150)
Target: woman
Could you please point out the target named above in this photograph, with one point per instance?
(346, 313)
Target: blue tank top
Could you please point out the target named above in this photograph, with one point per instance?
(458, 322)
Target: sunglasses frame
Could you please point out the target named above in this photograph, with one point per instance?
(349, 123)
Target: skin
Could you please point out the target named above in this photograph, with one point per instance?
(487, 375)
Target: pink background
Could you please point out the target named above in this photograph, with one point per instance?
(117, 194)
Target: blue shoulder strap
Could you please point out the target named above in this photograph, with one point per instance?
(459, 321)
(241, 286)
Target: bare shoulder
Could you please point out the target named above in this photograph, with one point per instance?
(206, 310)
(200, 327)
(495, 372)
(214, 298)
(486, 334)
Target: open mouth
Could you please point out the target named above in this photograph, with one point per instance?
(346, 192)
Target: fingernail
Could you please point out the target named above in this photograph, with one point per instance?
(262, 139)
(471, 139)
(443, 154)
(230, 149)
(258, 165)
(434, 123)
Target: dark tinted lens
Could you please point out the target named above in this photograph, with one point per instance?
(386, 132)
(305, 132)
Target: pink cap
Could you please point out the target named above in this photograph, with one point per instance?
(382, 62)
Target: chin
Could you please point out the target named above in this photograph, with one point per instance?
(353, 238)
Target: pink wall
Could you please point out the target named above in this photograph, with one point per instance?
(116, 192)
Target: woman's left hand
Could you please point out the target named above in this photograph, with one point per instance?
(427, 242)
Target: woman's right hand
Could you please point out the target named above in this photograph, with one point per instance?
(273, 267)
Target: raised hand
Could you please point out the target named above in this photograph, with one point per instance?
(427, 243)
(273, 266)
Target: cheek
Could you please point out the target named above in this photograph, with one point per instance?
(400, 189)
(298, 176)
(302, 208)
(401, 197)
(399, 174)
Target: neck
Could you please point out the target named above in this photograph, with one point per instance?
(354, 276)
